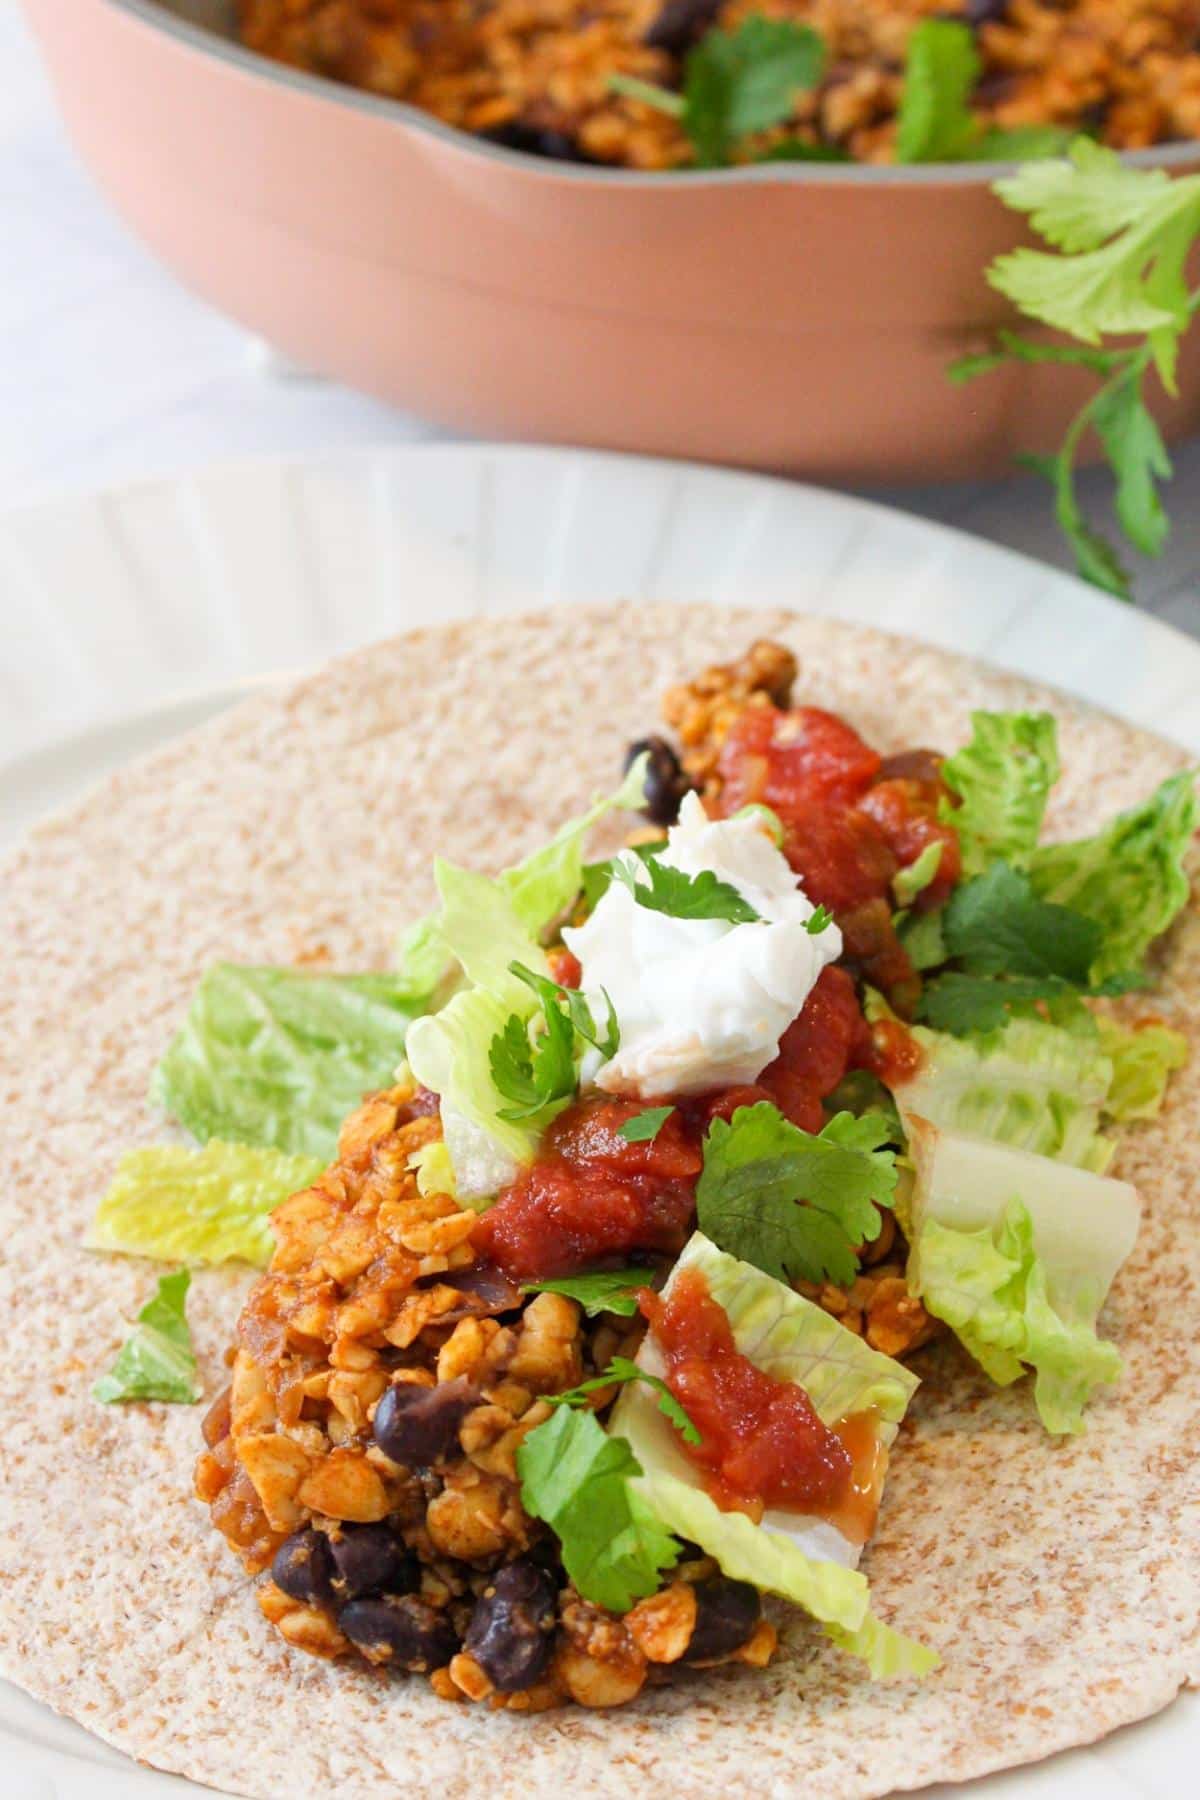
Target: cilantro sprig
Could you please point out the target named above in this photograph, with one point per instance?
(644, 1127)
(1011, 950)
(580, 1481)
(620, 1371)
(736, 84)
(682, 896)
(1120, 240)
(535, 1070)
(606, 1290)
(934, 122)
(795, 1205)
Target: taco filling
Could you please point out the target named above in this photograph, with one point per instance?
(597, 1327)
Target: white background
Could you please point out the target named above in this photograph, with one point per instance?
(110, 370)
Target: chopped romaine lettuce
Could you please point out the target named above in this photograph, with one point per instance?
(805, 1560)
(1017, 1253)
(1030, 1084)
(206, 1206)
(912, 880)
(1143, 1058)
(1129, 878)
(276, 1058)
(1003, 778)
(487, 925)
(155, 1362)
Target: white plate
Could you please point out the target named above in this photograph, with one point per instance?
(132, 615)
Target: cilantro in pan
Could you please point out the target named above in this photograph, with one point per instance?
(644, 1127)
(579, 1480)
(608, 1290)
(1119, 243)
(156, 1362)
(620, 1371)
(795, 1205)
(738, 83)
(935, 123)
(682, 896)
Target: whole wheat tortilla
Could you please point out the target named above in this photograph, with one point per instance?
(1060, 1581)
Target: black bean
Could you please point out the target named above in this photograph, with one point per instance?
(371, 1559)
(486, 1291)
(303, 1568)
(726, 1614)
(666, 782)
(679, 24)
(512, 1628)
(417, 1426)
(984, 12)
(536, 141)
(400, 1630)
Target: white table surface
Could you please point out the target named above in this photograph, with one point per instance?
(110, 370)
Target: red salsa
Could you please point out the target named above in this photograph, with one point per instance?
(590, 1195)
(762, 1443)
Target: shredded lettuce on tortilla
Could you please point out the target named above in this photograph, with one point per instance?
(275, 1058)
(804, 1560)
(155, 1362)
(484, 926)
(1129, 878)
(1017, 1254)
(1143, 1058)
(198, 1206)
(1002, 779)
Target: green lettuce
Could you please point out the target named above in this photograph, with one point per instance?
(155, 1362)
(806, 1561)
(209, 1205)
(1003, 779)
(1030, 1084)
(1143, 1059)
(276, 1058)
(1129, 878)
(485, 925)
(538, 889)
(1017, 1254)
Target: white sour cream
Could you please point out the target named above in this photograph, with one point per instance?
(702, 1003)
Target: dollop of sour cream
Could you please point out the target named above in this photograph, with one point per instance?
(702, 1003)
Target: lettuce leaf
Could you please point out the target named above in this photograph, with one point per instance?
(1003, 779)
(1030, 1084)
(1143, 1059)
(1016, 1254)
(198, 1206)
(805, 1560)
(991, 1288)
(1129, 877)
(155, 1362)
(275, 1058)
(485, 925)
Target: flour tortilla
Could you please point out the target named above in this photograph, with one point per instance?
(1060, 1581)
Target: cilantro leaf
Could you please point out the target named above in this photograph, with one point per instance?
(578, 1479)
(737, 83)
(619, 1371)
(934, 121)
(1124, 237)
(554, 996)
(607, 1290)
(682, 896)
(156, 1362)
(994, 924)
(1138, 458)
(795, 1205)
(822, 919)
(533, 1073)
(743, 81)
(644, 1127)
(960, 1003)
(597, 876)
